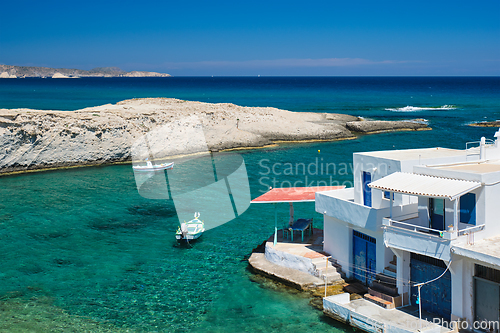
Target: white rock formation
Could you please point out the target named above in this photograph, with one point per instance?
(60, 76)
(34, 139)
(6, 75)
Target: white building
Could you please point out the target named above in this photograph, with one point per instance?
(414, 215)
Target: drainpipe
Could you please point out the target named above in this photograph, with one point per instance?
(482, 149)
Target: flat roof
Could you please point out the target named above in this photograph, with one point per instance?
(415, 154)
(293, 194)
(475, 167)
(486, 250)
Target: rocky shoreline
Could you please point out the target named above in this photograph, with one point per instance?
(38, 139)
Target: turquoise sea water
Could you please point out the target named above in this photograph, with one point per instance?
(85, 239)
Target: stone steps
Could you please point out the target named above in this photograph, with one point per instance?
(327, 269)
(389, 271)
(331, 276)
(356, 288)
(390, 302)
(385, 288)
(389, 280)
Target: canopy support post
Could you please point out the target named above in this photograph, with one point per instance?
(455, 215)
(275, 224)
(391, 199)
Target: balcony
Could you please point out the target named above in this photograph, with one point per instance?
(340, 204)
(411, 236)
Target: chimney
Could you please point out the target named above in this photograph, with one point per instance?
(482, 149)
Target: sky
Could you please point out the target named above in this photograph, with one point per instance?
(268, 38)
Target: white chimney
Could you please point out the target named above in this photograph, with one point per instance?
(482, 149)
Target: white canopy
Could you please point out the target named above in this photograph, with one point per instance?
(423, 185)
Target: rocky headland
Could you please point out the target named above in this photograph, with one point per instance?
(38, 139)
(13, 72)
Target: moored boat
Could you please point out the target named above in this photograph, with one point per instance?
(190, 230)
(150, 167)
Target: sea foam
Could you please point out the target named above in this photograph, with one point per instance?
(410, 108)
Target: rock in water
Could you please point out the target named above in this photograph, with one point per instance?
(34, 139)
(377, 126)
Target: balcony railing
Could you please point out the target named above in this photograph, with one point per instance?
(388, 221)
(417, 228)
(446, 234)
(470, 230)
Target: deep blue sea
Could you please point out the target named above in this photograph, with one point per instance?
(80, 247)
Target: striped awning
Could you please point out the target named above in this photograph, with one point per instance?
(425, 186)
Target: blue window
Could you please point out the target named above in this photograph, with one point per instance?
(387, 195)
(468, 208)
(367, 191)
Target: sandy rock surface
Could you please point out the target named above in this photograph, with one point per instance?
(33, 139)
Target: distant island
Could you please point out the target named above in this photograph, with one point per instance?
(14, 72)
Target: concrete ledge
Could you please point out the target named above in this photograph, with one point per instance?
(332, 307)
(286, 275)
(289, 260)
(372, 318)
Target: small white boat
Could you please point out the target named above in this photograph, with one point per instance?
(191, 230)
(150, 167)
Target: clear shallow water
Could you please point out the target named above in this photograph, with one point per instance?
(85, 238)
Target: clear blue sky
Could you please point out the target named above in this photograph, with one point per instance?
(256, 37)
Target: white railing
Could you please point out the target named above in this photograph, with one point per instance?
(468, 145)
(471, 230)
(473, 148)
(446, 234)
(389, 222)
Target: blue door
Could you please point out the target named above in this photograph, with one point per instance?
(468, 208)
(436, 296)
(367, 191)
(364, 251)
(371, 261)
